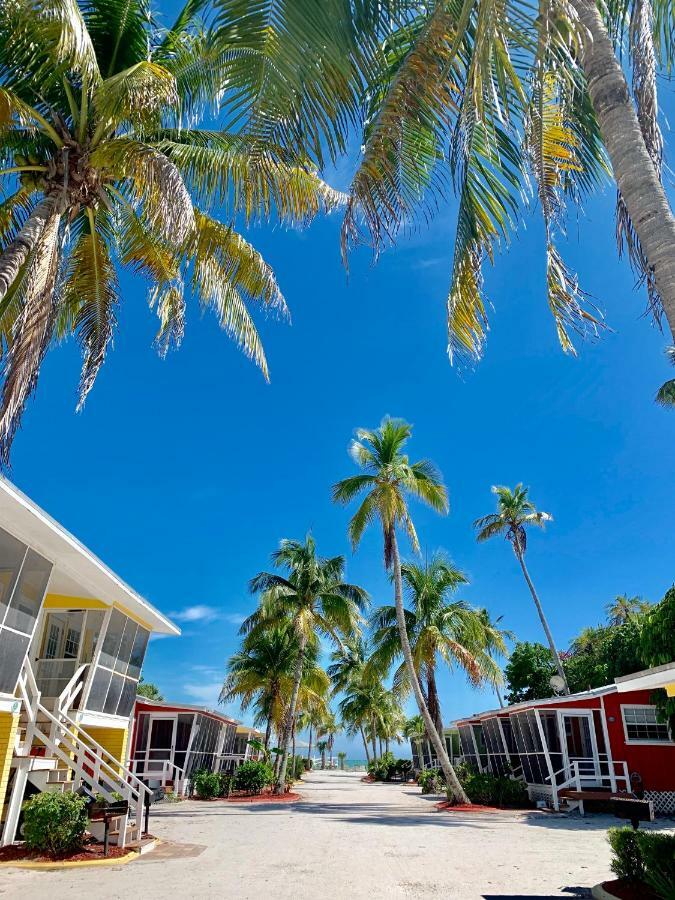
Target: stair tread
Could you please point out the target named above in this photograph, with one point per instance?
(594, 794)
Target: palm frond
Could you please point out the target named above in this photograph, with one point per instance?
(91, 291)
(32, 332)
(140, 95)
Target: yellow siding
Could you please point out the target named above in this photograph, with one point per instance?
(670, 689)
(114, 740)
(8, 725)
(59, 601)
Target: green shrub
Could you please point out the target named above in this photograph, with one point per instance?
(299, 768)
(480, 788)
(253, 776)
(225, 788)
(206, 785)
(493, 790)
(644, 856)
(54, 822)
(431, 781)
(658, 859)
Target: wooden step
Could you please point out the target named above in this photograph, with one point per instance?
(590, 794)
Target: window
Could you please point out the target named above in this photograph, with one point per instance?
(113, 688)
(641, 724)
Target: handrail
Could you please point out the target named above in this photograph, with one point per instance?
(72, 689)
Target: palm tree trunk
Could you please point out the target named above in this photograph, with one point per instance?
(293, 727)
(16, 253)
(448, 771)
(365, 744)
(373, 737)
(499, 697)
(636, 177)
(379, 741)
(309, 748)
(547, 630)
(386, 745)
(268, 732)
(433, 701)
(290, 718)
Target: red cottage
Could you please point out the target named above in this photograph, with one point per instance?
(568, 748)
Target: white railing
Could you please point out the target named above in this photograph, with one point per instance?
(581, 773)
(167, 773)
(72, 690)
(90, 762)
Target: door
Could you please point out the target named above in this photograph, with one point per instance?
(579, 745)
(161, 744)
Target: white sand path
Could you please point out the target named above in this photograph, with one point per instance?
(346, 839)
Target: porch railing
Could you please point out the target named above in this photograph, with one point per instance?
(163, 771)
(580, 774)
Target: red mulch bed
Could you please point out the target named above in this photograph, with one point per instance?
(268, 797)
(627, 890)
(446, 805)
(368, 779)
(91, 850)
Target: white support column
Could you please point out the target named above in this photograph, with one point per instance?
(15, 801)
(549, 766)
(475, 747)
(608, 746)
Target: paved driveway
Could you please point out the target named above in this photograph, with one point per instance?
(346, 839)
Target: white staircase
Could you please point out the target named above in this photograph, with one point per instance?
(79, 759)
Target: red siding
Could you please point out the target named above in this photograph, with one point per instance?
(655, 763)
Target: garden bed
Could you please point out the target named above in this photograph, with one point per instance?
(628, 890)
(448, 806)
(265, 797)
(91, 851)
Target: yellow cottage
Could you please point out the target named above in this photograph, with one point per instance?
(73, 637)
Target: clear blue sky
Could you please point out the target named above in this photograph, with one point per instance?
(183, 474)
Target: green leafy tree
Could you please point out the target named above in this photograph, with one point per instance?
(515, 513)
(385, 484)
(658, 646)
(322, 746)
(528, 672)
(665, 396)
(148, 690)
(414, 730)
(439, 629)
(105, 167)
(314, 598)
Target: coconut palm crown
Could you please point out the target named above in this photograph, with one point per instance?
(105, 167)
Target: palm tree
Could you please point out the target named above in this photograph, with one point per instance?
(342, 756)
(515, 512)
(366, 706)
(262, 674)
(149, 690)
(509, 93)
(388, 479)
(315, 599)
(328, 728)
(414, 730)
(310, 720)
(105, 167)
(322, 746)
(623, 608)
(437, 628)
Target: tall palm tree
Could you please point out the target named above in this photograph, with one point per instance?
(508, 92)
(623, 608)
(329, 728)
(438, 628)
(310, 720)
(261, 675)
(313, 596)
(365, 705)
(388, 479)
(515, 513)
(104, 166)
(322, 746)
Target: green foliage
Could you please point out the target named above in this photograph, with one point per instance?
(54, 822)
(494, 790)
(206, 785)
(658, 857)
(299, 767)
(599, 655)
(644, 856)
(148, 690)
(253, 777)
(225, 788)
(658, 633)
(528, 672)
(431, 781)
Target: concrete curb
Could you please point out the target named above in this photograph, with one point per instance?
(599, 893)
(75, 864)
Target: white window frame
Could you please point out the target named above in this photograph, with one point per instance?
(636, 742)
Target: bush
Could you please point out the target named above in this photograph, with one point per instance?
(658, 856)
(206, 785)
(299, 768)
(54, 822)
(644, 857)
(225, 784)
(431, 781)
(253, 776)
(493, 790)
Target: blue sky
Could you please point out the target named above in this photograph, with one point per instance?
(184, 473)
